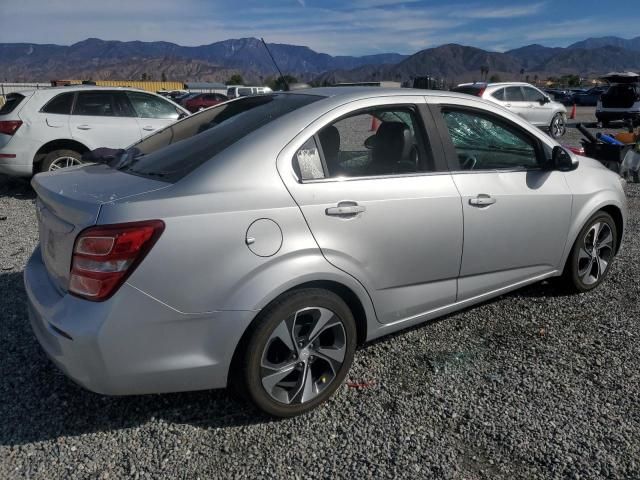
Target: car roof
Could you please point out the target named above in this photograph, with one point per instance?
(496, 84)
(348, 94)
(51, 91)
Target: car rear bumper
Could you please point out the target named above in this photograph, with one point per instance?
(18, 166)
(131, 343)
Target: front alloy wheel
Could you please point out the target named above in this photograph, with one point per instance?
(299, 352)
(592, 253)
(557, 128)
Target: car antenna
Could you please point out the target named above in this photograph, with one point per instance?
(284, 80)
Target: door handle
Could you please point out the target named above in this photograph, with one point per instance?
(482, 200)
(148, 128)
(84, 127)
(507, 104)
(345, 209)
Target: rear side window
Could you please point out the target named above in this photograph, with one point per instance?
(102, 104)
(513, 94)
(475, 90)
(13, 100)
(375, 142)
(498, 94)
(307, 163)
(243, 92)
(182, 147)
(150, 106)
(60, 104)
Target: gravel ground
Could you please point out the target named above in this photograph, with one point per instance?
(533, 385)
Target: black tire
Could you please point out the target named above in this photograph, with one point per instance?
(52, 157)
(249, 381)
(571, 279)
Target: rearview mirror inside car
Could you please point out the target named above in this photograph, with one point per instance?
(563, 160)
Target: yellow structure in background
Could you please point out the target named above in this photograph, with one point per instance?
(149, 86)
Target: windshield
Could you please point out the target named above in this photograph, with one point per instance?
(179, 149)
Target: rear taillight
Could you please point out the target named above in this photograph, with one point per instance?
(9, 127)
(104, 256)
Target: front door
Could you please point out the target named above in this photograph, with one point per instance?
(381, 207)
(154, 113)
(541, 109)
(516, 213)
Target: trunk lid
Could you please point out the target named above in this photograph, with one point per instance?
(69, 201)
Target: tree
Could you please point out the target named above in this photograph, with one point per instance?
(163, 77)
(144, 77)
(235, 79)
(535, 79)
(526, 79)
(281, 83)
(495, 78)
(521, 73)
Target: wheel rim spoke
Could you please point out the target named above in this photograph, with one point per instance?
(270, 380)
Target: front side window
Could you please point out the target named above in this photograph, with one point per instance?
(532, 95)
(381, 141)
(102, 104)
(484, 143)
(513, 94)
(150, 106)
(60, 104)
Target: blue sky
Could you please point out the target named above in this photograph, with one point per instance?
(336, 27)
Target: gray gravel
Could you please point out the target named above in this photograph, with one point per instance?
(532, 385)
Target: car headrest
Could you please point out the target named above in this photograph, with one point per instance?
(393, 144)
(330, 141)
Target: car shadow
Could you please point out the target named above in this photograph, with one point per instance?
(38, 402)
(16, 188)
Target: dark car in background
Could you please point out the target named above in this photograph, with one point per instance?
(564, 97)
(590, 97)
(204, 100)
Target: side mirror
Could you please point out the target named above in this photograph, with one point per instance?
(544, 100)
(563, 160)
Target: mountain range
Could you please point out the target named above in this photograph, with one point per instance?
(100, 60)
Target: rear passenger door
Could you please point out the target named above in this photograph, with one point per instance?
(514, 100)
(380, 202)
(103, 118)
(154, 113)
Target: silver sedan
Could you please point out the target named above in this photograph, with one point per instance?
(257, 243)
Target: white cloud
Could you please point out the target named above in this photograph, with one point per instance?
(489, 12)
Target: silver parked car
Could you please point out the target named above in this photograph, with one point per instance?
(258, 242)
(525, 100)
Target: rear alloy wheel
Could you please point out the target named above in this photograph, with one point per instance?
(60, 159)
(592, 254)
(557, 128)
(299, 352)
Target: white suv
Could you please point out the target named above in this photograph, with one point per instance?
(622, 100)
(522, 99)
(47, 129)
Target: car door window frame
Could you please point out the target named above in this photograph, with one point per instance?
(430, 137)
(450, 150)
